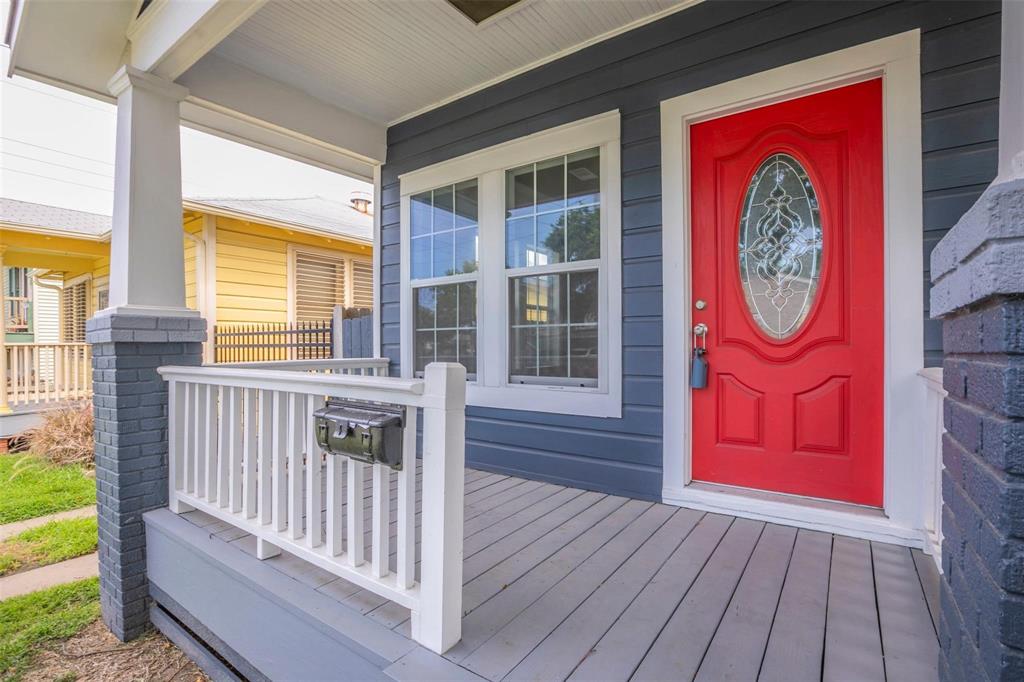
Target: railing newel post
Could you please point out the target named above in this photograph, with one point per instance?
(438, 623)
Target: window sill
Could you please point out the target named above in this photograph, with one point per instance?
(579, 402)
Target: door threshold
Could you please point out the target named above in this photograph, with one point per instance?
(828, 516)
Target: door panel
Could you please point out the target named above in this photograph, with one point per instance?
(788, 254)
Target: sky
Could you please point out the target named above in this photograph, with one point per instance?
(57, 148)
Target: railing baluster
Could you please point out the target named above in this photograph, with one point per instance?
(250, 427)
(67, 371)
(187, 412)
(36, 370)
(223, 447)
(335, 522)
(280, 454)
(233, 418)
(380, 551)
(296, 429)
(314, 501)
(265, 455)
(355, 513)
(198, 435)
(210, 447)
(177, 397)
(406, 566)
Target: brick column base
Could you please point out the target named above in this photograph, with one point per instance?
(979, 280)
(130, 405)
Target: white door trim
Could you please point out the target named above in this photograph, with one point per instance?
(897, 60)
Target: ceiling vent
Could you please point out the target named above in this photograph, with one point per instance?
(479, 11)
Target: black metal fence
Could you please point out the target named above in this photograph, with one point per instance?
(311, 340)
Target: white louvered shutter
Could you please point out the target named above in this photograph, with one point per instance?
(319, 286)
(362, 284)
(74, 311)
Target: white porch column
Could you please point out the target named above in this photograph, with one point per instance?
(147, 254)
(4, 407)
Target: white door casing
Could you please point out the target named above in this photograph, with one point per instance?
(896, 59)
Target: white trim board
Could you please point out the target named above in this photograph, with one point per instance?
(896, 60)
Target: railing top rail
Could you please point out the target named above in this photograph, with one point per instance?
(380, 389)
(933, 376)
(325, 363)
(45, 344)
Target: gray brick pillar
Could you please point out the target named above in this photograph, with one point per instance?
(978, 272)
(130, 403)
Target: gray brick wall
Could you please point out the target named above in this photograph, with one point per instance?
(130, 405)
(980, 289)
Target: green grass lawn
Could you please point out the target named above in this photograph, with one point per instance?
(55, 613)
(31, 487)
(47, 544)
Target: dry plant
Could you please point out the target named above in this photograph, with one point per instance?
(65, 436)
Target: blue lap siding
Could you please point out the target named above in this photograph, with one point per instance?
(707, 44)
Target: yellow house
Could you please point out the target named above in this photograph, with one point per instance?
(252, 265)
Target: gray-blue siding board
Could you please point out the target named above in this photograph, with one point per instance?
(710, 43)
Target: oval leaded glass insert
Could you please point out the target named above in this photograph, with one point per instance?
(780, 245)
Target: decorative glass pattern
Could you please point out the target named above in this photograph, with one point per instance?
(780, 246)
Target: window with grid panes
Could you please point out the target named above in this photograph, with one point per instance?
(552, 260)
(444, 229)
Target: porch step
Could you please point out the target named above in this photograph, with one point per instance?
(268, 625)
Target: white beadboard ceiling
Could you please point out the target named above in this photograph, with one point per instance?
(388, 60)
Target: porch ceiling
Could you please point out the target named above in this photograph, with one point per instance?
(317, 81)
(390, 59)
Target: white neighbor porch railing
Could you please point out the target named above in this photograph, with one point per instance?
(243, 449)
(37, 373)
(932, 448)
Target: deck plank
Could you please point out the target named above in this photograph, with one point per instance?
(496, 657)
(564, 583)
(677, 652)
(478, 502)
(498, 596)
(519, 552)
(538, 501)
(853, 644)
(908, 637)
(534, 542)
(623, 646)
(562, 650)
(928, 573)
(798, 635)
(738, 645)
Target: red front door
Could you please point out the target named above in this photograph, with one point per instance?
(788, 248)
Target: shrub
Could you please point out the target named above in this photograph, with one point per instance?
(65, 436)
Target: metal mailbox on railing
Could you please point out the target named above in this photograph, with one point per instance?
(368, 432)
(245, 447)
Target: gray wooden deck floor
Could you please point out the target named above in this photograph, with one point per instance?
(563, 583)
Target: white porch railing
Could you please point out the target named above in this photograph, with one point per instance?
(932, 448)
(36, 373)
(243, 449)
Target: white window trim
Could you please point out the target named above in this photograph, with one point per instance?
(488, 166)
(896, 59)
(349, 258)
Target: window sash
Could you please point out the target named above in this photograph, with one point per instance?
(494, 386)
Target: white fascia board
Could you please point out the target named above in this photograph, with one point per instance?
(54, 232)
(171, 36)
(216, 84)
(200, 207)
